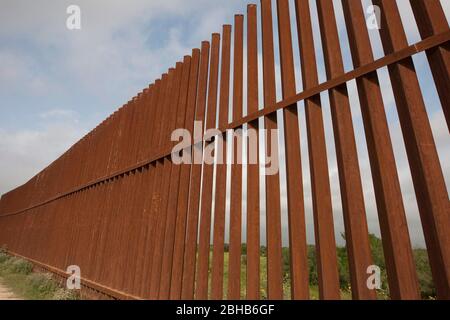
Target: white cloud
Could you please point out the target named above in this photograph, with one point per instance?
(60, 113)
(18, 74)
(120, 49)
(23, 153)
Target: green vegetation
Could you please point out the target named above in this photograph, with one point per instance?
(420, 255)
(17, 274)
(427, 288)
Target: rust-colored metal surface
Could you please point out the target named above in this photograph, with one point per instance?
(183, 193)
(347, 158)
(217, 268)
(190, 250)
(320, 183)
(397, 247)
(423, 158)
(142, 226)
(273, 205)
(208, 173)
(234, 264)
(431, 20)
(169, 237)
(253, 180)
(294, 176)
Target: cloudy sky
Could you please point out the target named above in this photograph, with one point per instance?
(57, 84)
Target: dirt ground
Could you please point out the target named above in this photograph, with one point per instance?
(6, 293)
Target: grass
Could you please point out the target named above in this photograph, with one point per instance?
(313, 290)
(17, 274)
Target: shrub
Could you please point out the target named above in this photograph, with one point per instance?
(14, 265)
(312, 263)
(64, 294)
(3, 257)
(42, 283)
(21, 266)
(17, 274)
(428, 290)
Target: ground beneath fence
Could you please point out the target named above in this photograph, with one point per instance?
(6, 293)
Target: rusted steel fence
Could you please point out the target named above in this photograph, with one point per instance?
(141, 226)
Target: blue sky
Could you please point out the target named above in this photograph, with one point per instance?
(56, 84)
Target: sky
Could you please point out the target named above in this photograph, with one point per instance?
(57, 84)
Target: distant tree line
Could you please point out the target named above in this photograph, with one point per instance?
(420, 255)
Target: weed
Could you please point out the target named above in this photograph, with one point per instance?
(17, 274)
